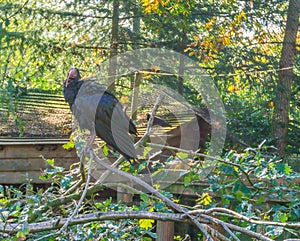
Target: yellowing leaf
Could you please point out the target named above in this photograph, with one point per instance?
(225, 40)
(231, 88)
(192, 53)
(155, 68)
(150, 5)
(124, 99)
(147, 223)
(205, 199)
(287, 169)
(271, 104)
(263, 60)
(146, 75)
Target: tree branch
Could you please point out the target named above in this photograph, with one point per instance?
(13, 228)
(242, 217)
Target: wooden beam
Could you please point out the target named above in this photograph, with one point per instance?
(165, 231)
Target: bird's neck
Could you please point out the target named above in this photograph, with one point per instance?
(71, 91)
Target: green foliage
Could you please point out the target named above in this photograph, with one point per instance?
(253, 185)
(247, 182)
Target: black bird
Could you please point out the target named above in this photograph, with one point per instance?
(158, 121)
(98, 110)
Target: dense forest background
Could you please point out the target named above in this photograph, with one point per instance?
(239, 43)
(250, 49)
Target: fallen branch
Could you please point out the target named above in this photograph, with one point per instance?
(58, 222)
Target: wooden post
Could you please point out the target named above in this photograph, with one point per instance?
(134, 101)
(165, 231)
(124, 196)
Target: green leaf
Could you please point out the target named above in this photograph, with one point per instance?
(240, 186)
(239, 195)
(105, 150)
(227, 169)
(145, 198)
(147, 149)
(187, 180)
(50, 162)
(280, 217)
(260, 200)
(69, 145)
(283, 168)
(182, 155)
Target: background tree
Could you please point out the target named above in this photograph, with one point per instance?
(286, 77)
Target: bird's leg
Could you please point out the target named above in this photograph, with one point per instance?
(90, 142)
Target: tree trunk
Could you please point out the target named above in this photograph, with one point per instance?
(136, 28)
(135, 95)
(181, 64)
(113, 46)
(285, 77)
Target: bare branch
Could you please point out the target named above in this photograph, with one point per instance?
(58, 222)
(237, 228)
(242, 217)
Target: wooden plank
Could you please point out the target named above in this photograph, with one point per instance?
(35, 151)
(33, 164)
(46, 105)
(33, 141)
(165, 231)
(45, 94)
(20, 177)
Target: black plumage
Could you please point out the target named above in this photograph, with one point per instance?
(158, 121)
(98, 110)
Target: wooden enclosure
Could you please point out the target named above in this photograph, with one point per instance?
(21, 157)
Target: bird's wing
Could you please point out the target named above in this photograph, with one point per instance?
(112, 125)
(86, 103)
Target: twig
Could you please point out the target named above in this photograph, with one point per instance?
(237, 228)
(230, 232)
(82, 179)
(62, 200)
(150, 122)
(19, 10)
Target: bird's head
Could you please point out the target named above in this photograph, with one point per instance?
(73, 75)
